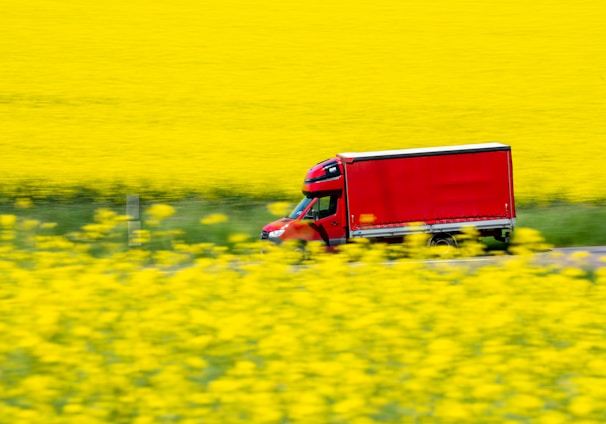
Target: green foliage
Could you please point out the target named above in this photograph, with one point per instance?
(566, 224)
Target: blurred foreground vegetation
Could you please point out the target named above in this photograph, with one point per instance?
(95, 332)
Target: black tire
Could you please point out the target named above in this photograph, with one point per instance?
(301, 249)
(442, 239)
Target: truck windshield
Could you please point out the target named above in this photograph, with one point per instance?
(300, 208)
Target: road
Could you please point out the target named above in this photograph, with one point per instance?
(589, 257)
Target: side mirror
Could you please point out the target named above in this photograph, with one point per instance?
(314, 215)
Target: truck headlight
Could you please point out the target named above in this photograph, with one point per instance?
(276, 233)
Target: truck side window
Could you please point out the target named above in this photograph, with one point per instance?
(326, 206)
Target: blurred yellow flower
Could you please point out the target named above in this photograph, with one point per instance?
(238, 238)
(8, 221)
(214, 218)
(582, 406)
(279, 208)
(160, 211)
(140, 237)
(31, 223)
(24, 203)
(527, 241)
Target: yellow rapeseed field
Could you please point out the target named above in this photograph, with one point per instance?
(94, 333)
(210, 97)
(189, 96)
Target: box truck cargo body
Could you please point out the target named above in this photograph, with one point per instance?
(387, 195)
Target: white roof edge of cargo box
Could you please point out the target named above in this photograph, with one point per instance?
(423, 150)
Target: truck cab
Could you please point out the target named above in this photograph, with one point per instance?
(321, 214)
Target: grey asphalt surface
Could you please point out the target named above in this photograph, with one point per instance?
(588, 257)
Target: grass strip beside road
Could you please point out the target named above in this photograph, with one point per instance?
(562, 225)
(567, 224)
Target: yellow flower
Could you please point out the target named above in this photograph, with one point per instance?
(582, 406)
(30, 223)
(140, 237)
(279, 208)
(196, 362)
(8, 221)
(527, 241)
(523, 402)
(160, 211)
(24, 203)
(554, 417)
(238, 238)
(214, 218)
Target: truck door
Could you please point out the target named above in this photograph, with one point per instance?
(326, 219)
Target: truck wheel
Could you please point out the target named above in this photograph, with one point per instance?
(300, 248)
(442, 239)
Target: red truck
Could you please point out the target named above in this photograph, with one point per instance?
(387, 195)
